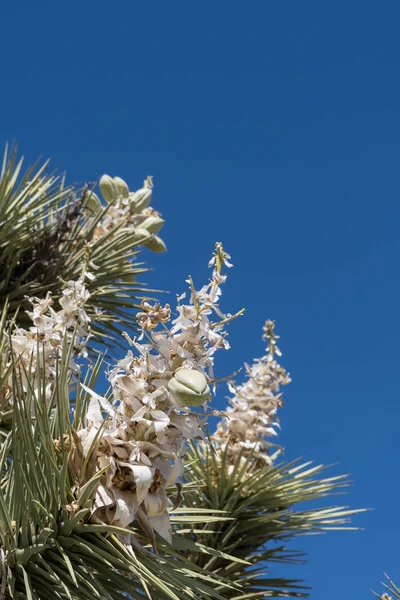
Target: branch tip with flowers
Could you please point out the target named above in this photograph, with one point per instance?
(251, 419)
(160, 392)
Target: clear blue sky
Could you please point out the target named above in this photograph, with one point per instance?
(274, 127)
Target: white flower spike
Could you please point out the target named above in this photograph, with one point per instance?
(153, 391)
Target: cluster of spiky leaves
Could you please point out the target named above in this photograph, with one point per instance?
(266, 514)
(47, 231)
(390, 588)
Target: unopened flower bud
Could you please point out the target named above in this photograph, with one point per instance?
(108, 189)
(189, 388)
(140, 236)
(122, 187)
(140, 200)
(156, 244)
(92, 202)
(152, 224)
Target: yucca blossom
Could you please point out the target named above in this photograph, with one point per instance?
(39, 347)
(251, 419)
(150, 416)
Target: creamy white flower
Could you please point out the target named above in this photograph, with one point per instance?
(144, 417)
(40, 346)
(251, 417)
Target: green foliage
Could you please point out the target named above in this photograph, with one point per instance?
(391, 588)
(265, 509)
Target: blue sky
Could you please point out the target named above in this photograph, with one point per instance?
(274, 127)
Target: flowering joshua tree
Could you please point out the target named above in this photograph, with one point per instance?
(124, 493)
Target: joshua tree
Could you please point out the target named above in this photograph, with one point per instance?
(126, 494)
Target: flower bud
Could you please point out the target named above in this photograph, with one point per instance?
(189, 388)
(92, 202)
(152, 224)
(108, 189)
(156, 244)
(122, 187)
(140, 200)
(140, 236)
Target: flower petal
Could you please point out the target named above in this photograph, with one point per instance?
(104, 403)
(143, 477)
(163, 526)
(126, 507)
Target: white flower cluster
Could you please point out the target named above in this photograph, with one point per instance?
(251, 417)
(150, 416)
(39, 347)
(130, 210)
